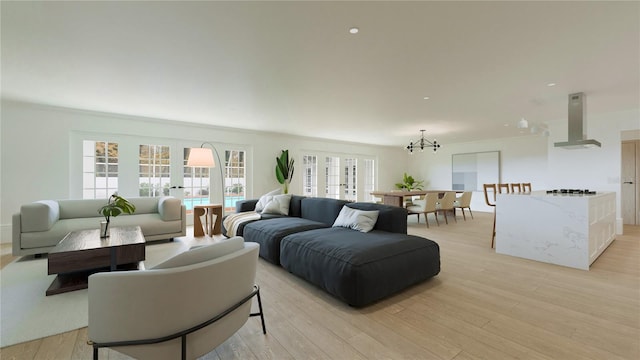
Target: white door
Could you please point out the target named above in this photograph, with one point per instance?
(341, 174)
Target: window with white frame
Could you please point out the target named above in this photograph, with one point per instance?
(196, 183)
(350, 182)
(332, 175)
(155, 170)
(99, 169)
(235, 179)
(310, 175)
(369, 179)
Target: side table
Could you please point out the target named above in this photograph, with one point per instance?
(210, 227)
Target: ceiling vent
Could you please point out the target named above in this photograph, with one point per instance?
(578, 125)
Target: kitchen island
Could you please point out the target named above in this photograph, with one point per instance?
(564, 229)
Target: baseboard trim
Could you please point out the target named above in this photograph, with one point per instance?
(5, 234)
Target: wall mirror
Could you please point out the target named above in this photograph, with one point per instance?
(470, 170)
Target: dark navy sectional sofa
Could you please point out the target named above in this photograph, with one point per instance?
(358, 268)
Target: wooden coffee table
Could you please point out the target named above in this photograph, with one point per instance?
(82, 253)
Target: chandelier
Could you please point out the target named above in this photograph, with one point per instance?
(422, 143)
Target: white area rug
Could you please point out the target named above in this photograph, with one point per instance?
(27, 314)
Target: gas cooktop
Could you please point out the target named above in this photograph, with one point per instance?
(571, 192)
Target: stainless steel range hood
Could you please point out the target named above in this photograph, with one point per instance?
(577, 125)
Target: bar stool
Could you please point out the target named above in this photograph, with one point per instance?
(526, 187)
(491, 188)
(515, 186)
(505, 187)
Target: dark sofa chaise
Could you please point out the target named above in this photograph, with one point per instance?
(356, 267)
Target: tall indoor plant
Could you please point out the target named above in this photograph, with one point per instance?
(116, 205)
(284, 169)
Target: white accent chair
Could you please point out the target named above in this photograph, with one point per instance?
(446, 204)
(182, 308)
(425, 206)
(464, 202)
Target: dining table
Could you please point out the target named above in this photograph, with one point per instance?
(396, 197)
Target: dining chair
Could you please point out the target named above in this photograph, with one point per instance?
(516, 186)
(505, 187)
(464, 202)
(491, 188)
(425, 206)
(526, 187)
(446, 204)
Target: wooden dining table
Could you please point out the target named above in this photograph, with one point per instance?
(396, 198)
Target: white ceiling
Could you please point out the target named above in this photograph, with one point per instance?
(293, 67)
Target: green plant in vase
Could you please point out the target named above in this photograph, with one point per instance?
(409, 183)
(116, 205)
(284, 169)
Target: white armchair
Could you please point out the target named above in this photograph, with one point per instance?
(182, 308)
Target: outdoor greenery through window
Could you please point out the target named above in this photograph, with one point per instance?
(235, 178)
(99, 169)
(155, 170)
(196, 182)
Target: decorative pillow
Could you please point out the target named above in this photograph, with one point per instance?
(266, 198)
(203, 253)
(278, 205)
(355, 219)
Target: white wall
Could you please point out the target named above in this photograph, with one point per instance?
(522, 159)
(535, 159)
(598, 168)
(37, 155)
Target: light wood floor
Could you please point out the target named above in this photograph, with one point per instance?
(481, 306)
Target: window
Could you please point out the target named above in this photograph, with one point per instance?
(310, 175)
(155, 170)
(99, 169)
(350, 179)
(196, 182)
(332, 174)
(369, 179)
(234, 179)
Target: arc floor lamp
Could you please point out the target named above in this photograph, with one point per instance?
(203, 157)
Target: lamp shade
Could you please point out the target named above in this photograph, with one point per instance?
(201, 157)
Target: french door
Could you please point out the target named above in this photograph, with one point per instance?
(341, 177)
(338, 176)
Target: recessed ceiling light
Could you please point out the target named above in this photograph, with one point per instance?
(551, 84)
(506, 125)
(353, 30)
(426, 98)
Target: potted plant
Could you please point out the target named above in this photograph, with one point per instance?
(409, 183)
(284, 169)
(116, 205)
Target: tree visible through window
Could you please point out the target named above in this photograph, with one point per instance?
(155, 170)
(99, 169)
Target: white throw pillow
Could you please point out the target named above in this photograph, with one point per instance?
(355, 219)
(266, 198)
(203, 253)
(278, 205)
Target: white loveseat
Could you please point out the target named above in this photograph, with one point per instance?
(40, 225)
